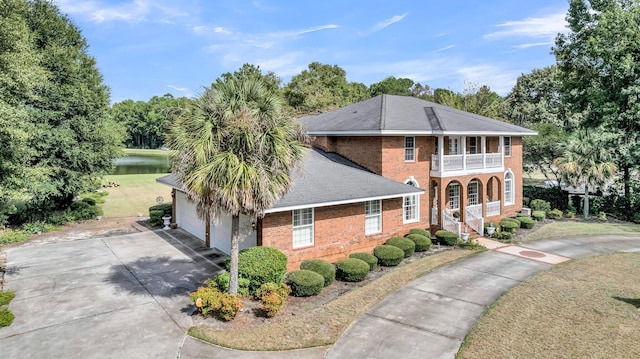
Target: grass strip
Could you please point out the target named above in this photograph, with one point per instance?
(564, 229)
(323, 325)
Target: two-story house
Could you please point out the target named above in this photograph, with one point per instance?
(379, 168)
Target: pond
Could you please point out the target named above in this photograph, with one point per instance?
(139, 162)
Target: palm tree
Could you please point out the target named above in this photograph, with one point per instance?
(234, 153)
(586, 161)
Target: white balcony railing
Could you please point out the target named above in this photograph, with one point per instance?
(450, 224)
(473, 218)
(470, 162)
(493, 208)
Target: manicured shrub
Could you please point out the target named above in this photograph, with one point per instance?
(407, 245)
(571, 214)
(305, 283)
(538, 215)
(509, 225)
(421, 232)
(352, 270)
(446, 237)
(503, 236)
(388, 256)
(221, 281)
(6, 317)
(6, 296)
(260, 265)
(554, 214)
(155, 218)
(422, 243)
(368, 258)
(80, 211)
(166, 208)
(527, 222)
(272, 300)
(281, 289)
(540, 205)
(322, 267)
(519, 215)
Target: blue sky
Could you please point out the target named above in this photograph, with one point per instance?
(152, 47)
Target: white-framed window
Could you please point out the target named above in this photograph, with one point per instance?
(472, 193)
(507, 146)
(473, 145)
(409, 149)
(410, 205)
(302, 227)
(454, 195)
(508, 187)
(372, 217)
(454, 145)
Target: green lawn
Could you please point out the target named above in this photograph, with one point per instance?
(576, 228)
(135, 194)
(137, 151)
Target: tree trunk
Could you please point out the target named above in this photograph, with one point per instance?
(233, 267)
(207, 229)
(585, 207)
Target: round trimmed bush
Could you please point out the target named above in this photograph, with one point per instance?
(446, 237)
(518, 215)
(554, 214)
(388, 256)
(407, 245)
(509, 225)
(538, 215)
(352, 270)
(527, 222)
(261, 265)
(322, 267)
(422, 243)
(368, 258)
(305, 283)
(421, 232)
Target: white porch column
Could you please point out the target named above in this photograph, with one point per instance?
(441, 153)
(463, 146)
(483, 143)
(501, 149)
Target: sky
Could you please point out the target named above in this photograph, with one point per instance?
(147, 48)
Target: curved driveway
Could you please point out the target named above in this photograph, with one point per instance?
(126, 297)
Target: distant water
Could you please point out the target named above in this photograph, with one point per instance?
(141, 164)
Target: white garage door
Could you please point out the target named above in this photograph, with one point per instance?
(187, 217)
(221, 233)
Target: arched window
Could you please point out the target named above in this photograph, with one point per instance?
(411, 204)
(508, 188)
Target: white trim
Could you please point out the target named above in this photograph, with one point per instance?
(512, 200)
(478, 171)
(416, 198)
(336, 203)
(419, 133)
(412, 148)
(414, 180)
(509, 146)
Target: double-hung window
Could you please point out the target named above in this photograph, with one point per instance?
(302, 227)
(411, 206)
(454, 145)
(454, 196)
(409, 149)
(507, 146)
(473, 145)
(372, 217)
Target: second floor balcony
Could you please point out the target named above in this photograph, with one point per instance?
(464, 154)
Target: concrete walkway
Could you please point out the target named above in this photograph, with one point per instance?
(126, 297)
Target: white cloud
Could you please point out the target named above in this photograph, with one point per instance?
(444, 48)
(181, 89)
(388, 22)
(203, 29)
(295, 33)
(499, 79)
(534, 44)
(537, 27)
(133, 11)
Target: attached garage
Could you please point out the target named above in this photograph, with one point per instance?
(186, 216)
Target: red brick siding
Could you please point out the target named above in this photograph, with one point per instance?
(338, 231)
(365, 151)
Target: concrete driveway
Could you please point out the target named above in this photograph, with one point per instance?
(115, 297)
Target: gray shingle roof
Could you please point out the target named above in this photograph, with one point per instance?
(391, 114)
(328, 178)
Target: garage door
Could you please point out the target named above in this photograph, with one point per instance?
(221, 233)
(187, 217)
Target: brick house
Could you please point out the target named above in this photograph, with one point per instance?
(378, 168)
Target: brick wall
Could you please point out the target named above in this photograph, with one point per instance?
(338, 231)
